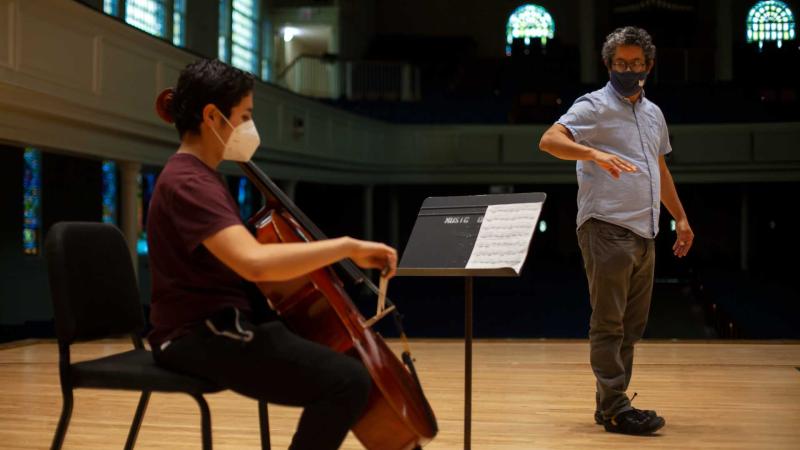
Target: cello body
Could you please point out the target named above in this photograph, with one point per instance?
(316, 307)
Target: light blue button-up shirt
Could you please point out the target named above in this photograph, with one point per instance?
(609, 122)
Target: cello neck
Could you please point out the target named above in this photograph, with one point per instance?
(276, 198)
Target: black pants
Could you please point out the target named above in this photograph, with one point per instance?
(277, 366)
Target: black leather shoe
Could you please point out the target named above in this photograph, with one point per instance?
(598, 416)
(635, 422)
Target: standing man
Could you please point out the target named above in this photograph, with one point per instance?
(619, 139)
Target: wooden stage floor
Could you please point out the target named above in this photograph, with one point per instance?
(526, 395)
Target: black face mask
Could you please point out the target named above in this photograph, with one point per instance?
(627, 83)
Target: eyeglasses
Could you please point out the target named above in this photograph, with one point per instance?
(623, 66)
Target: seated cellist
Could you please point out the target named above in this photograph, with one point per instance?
(201, 256)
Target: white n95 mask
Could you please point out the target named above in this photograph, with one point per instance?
(242, 143)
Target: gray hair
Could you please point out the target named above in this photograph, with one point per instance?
(629, 36)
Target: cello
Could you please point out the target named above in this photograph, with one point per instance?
(316, 307)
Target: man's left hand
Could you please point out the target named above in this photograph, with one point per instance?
(685, 238)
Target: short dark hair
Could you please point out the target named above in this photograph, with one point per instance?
(207, 81)
(628, 36)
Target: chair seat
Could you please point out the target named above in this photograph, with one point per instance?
(136, 370)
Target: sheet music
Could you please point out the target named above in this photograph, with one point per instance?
(504, 236)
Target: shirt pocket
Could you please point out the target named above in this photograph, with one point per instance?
(652, 138)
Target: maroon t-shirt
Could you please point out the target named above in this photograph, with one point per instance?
(190, 203)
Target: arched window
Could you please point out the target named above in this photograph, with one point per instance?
(529, 21)
(770, 20)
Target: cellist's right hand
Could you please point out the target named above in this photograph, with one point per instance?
(374, 255)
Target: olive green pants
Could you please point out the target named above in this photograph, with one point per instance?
(619, 268)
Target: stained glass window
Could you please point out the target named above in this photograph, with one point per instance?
(245, 199)
(527, 22)
(147, 182)
(31, 215)
(147, 15)
(770, 20)
(151, 16)
(224, 31)
(111, 7)
(178, 22)
(239, 39)
(109, 192)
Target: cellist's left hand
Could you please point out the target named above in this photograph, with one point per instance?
(684, 240)
(374, 255)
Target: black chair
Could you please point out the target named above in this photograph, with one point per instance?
(95, 295)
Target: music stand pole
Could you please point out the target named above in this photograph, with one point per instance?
(467, 363)
(442, 244)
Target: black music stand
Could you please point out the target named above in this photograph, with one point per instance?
(471, 236)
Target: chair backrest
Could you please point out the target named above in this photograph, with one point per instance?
(92, 283)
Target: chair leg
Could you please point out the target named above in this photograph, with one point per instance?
(63, 421)
(137, 420)
(263, 423)
(205, 421)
